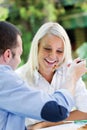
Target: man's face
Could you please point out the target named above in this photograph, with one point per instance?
(16, 59)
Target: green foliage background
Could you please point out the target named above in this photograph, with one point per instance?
(29, 15)
(82, 53)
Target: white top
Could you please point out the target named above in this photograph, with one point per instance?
(58, 79)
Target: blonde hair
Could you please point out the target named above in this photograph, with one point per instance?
(51, 28)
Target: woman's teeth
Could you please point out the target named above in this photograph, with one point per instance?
(50, 61)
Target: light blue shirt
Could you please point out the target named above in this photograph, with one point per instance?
(18, 101)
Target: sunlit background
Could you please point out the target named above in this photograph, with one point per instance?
(29, 15)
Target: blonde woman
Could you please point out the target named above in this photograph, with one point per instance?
(47, 66)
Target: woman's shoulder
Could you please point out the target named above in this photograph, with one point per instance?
(21, 71)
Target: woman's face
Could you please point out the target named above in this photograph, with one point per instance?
(50, 53)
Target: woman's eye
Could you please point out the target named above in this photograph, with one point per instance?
(60, 51)
(48, 49)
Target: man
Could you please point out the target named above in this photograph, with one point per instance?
(17, 100)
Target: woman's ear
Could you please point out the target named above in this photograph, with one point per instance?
(7, 55)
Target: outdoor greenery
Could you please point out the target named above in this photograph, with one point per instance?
(29, 15)
(82, 53)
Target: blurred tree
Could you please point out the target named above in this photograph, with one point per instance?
(82, 53)
(3, 11)
(29, 15)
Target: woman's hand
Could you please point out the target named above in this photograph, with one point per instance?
(77, 69)
(74, 71)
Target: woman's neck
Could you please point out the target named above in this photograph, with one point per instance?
(47, 76)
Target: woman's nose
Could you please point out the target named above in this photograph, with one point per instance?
(53, 55)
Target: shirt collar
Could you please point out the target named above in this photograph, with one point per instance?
(38, 76)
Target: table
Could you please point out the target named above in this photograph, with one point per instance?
(68, 126)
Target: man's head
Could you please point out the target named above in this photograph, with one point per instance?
(10, 44)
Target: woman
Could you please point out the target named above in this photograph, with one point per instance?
(46, 67)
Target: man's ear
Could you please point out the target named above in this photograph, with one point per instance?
(7, 55)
